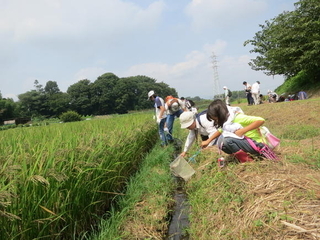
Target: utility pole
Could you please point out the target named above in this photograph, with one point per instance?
(216, 83)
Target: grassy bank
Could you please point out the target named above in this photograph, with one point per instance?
(258, 200)
(263, 200)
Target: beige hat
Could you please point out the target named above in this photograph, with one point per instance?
(186, 119)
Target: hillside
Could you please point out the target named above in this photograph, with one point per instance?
(264, 199)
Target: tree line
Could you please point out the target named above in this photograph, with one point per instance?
(108, 94)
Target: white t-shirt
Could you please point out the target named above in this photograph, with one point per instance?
(255, 88)
(206, 128)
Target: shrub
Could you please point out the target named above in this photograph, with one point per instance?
(70, 116)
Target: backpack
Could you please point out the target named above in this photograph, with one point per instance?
(175, 106)
(229, 93)
(199, 114)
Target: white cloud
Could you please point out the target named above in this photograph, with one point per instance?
(89, 73)
(222, 13)
(195, 75)
(217, 48)
(27, 20)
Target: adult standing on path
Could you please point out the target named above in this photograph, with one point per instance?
(161, 115)
(226, 95)
(174, 107)
(247, 89)
(255, 91)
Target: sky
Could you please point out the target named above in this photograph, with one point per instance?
(172, 41)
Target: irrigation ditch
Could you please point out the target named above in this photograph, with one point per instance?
(179, 216)
(179, 221)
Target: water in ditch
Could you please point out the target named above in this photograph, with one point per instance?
(180, 212)
(180, 215)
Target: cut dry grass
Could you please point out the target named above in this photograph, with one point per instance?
(263, 199)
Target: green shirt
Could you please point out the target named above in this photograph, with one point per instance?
(245, 120)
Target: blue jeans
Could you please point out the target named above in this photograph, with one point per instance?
(170, 121)
(161, 132)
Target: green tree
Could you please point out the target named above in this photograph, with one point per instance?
(125, 99)
(31, 103)
(290, 42)
(7, 109)
(58, 103)
(34, 103)
(104, 94)
(80, 97)
(51, 88)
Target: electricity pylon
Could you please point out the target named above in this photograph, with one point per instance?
(216, 83)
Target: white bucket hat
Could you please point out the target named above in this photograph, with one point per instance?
(186, 119)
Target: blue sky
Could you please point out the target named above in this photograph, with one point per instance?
(171, 41)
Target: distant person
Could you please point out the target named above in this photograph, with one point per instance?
(302, 95)
(183, 100)
(272, 97)
(282, 99)
(161, 115)
(261, 98)
(233, 127)
(227, 95)
(255, 91)
(247, 89)
(174, 107)
(197, 124)
(189, 105)
(192, 107)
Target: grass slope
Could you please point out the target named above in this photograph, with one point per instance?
(263, 199)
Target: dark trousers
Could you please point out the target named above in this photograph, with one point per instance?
(249, 98)
(233, 145)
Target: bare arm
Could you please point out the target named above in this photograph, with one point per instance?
(204, 144)
(162, 109)
(254, 125)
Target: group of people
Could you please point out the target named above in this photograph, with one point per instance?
(253, 93)
(227, 127)
(166, 110)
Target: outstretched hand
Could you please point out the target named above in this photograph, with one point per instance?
(183, 154)
(204, 144)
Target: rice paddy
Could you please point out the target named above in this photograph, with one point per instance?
(57, 181)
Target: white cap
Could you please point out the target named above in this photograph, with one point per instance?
(224, 87)
(186, 119)
(151, 93)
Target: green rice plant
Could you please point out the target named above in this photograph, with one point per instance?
(67, 174)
